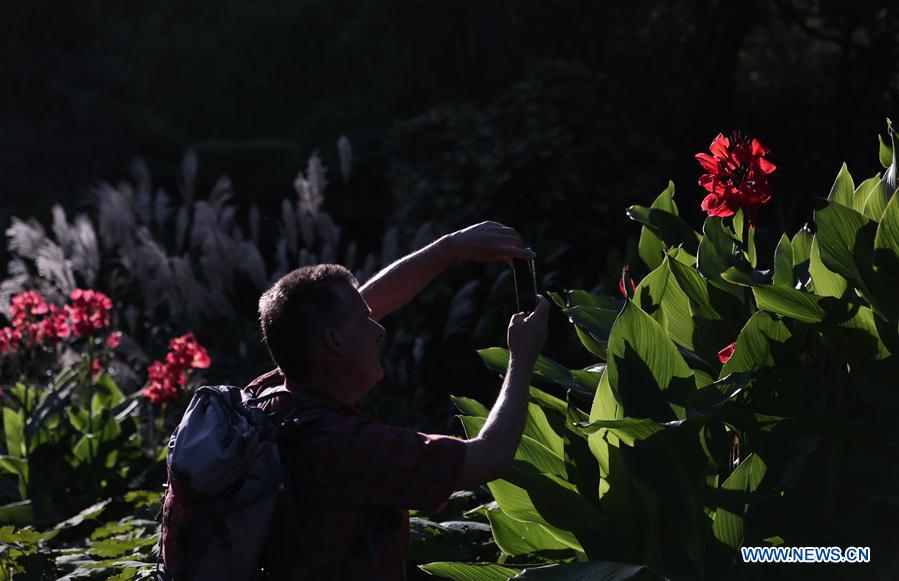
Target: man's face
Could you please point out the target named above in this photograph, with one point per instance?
(360, 337)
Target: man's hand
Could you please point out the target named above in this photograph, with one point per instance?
(489, 242)
(527, 332)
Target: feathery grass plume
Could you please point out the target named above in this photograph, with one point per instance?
(15, 282)
(162, 209)
(461, 309)
(188, 179)
(250, 262)
(327, 230)
(389, 246)
(153, 271)
(345, 151)
(281, 263)
(423, 236)
(60, 227)
(143, 188)
(349, 259)
(306, 224)
(221, 194)
(85, 255)
(182, 220)
(193, 303)
(116, 217)
(214, 247)
(315, 176)
(52, 266)
(254, 223)
(288, 226)
(307, 258)
(24, 238)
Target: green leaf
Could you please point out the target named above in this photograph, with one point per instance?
(878, 198)
(644, 364)
(783, 263)
(659, 295)
(471, 571)
(589, 571)
(529, 450)
(885, 152)
(846, 239)
(79, 418)
(826, 283)
(629, 430)
(789, 302)
(843, 189)
(886, 261)
(862, 191)
(670, 228)
(515, 537)
(650, 248)
(14, 428)
(17, 513)
(497, 359)
(470, 406)
(728, 525)
(802, 246)
(107, 394)
(756, 344)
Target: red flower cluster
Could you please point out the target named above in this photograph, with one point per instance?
(35, 323)
(737, 176)
(167, 378)
(89, 311)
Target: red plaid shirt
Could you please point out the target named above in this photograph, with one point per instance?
(354, 480)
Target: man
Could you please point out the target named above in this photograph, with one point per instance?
(355, 479)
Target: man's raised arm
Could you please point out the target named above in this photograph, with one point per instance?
(397, 284)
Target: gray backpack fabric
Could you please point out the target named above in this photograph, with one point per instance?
(226, 479)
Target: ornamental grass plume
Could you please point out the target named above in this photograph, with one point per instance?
(737, 176)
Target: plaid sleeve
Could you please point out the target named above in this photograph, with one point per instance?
(368, 462)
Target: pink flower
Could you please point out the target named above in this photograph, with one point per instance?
(10, 339)
(187, 353)
(725, 354)
(25, 306)
(54, 328)
(167, 378)
(114, 339)
(737, 175)
(89, 311)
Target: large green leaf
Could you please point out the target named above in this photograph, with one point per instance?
(886, 261)
(789, 302)
(470, 406)
(19, 513)
(645, 368)
(846, 239)
(825, 282)
(728, 524)
(471, 571)
(497, 359)
(756, 345)
(629, 430)
(843, 188)
(802, 245)
(14, 429)
(885, 152)
(650, 248)
(670, 228)
(589, 571)
(107, 394)
(878, 198)
(783, 263)
(593, 325)
(862, 192)
(696, 288)
(516, 537)
(716, 255)
(659, 295)
(531, 451)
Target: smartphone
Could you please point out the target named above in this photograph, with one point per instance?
(525, 285)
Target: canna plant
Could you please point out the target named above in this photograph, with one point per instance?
(728, 406)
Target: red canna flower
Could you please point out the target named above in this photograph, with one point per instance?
(25, 306)
(737, 176)
(54, 328)
(10, 338)
(725, 354)
(114, 339)
(167, 378)
(626, 283)
(89, 311)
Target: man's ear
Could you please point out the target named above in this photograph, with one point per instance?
(331, 340)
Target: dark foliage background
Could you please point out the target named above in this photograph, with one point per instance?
(551, 116)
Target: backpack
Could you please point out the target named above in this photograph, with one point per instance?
(226, 479)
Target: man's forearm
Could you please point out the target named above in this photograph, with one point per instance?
(502, 431)
(397, 284)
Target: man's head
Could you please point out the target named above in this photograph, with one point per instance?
(314, 317)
